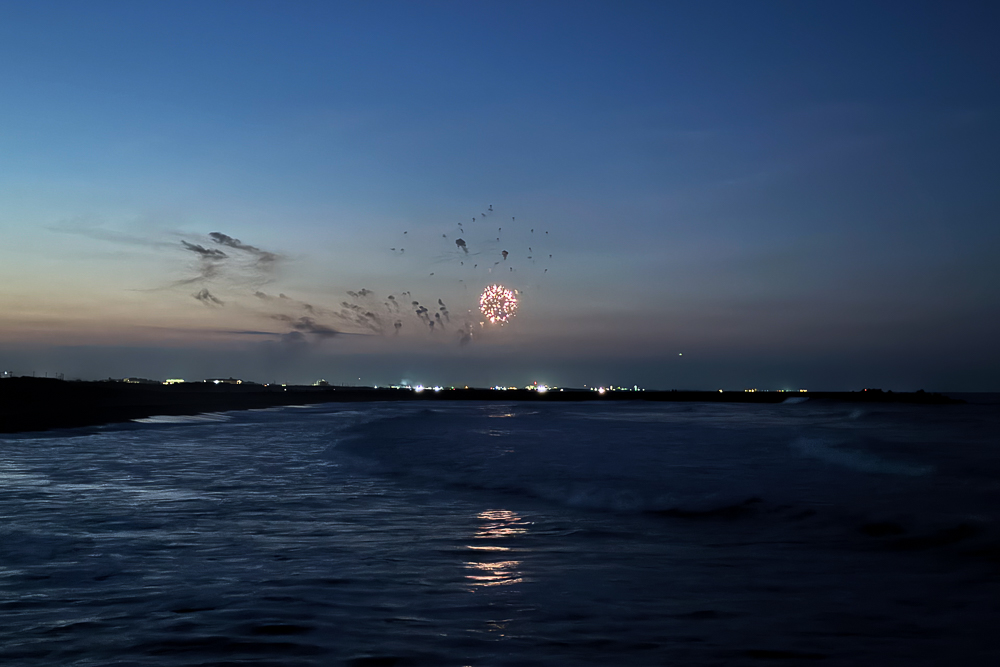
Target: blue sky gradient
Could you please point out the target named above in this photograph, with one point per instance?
(786, 194)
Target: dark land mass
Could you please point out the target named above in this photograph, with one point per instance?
(38, 404)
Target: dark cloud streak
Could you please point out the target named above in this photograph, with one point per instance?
(229, 241)
(207, 298)
(208, 253)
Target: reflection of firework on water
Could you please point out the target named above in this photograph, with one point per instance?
(498, 304)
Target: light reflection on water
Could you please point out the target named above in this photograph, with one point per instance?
(499, 524)
(501, 573)
(270, 539)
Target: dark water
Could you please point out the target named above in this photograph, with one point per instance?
(507, 534)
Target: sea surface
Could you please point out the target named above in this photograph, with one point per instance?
(507, 534)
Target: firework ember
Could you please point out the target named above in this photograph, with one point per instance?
(498, 304)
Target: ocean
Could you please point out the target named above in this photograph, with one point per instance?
(376, 534)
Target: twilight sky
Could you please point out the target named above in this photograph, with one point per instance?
(733, 194)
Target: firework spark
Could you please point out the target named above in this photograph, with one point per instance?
(498, 304)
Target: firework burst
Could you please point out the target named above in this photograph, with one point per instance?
(498, 304)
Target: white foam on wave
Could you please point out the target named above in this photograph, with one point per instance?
(185, 419)
(13, 476)
(855, 459)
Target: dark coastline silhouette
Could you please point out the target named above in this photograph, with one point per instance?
(37, 404)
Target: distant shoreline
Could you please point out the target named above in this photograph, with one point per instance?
(40, 404)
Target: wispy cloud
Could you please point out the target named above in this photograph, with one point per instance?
(210, 253)
(307, 325)
(207, 298)
(229, 241)
(228, 275)
(80, 228)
